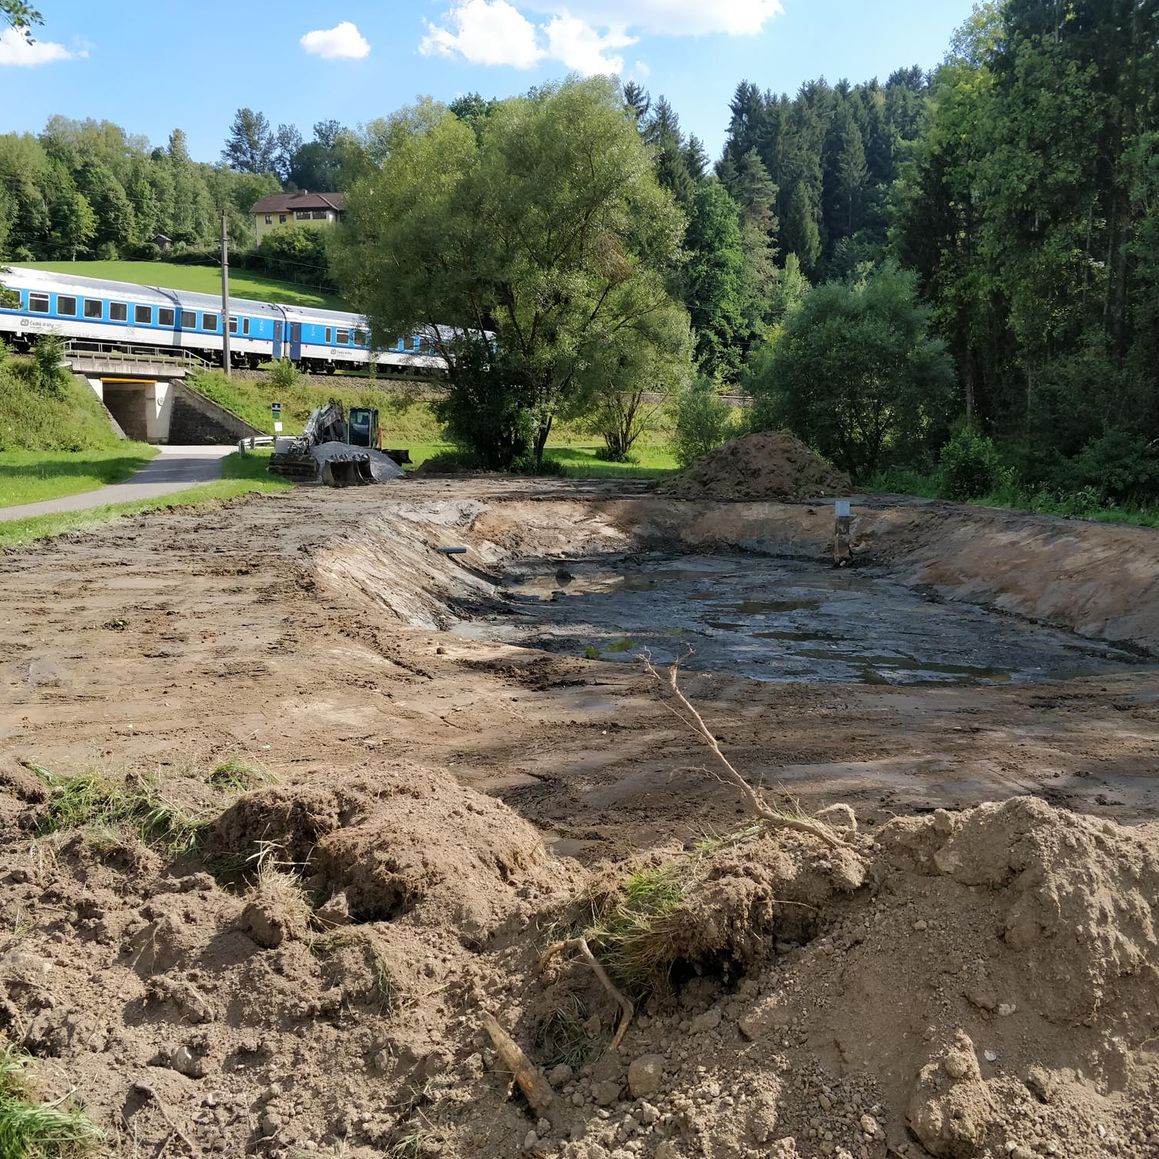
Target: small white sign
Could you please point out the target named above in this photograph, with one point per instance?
(843, 506)
(277, 428)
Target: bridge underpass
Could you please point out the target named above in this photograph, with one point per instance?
(148, 397)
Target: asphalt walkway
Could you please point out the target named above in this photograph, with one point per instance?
(174, 469)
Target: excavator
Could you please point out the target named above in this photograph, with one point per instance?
(337, 450)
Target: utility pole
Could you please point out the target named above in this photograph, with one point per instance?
(225, 360)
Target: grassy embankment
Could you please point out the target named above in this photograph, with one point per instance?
(196, 279)
(60, 443)
(1078, 505)
(406, 420)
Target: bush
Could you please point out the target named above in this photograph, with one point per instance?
(970, 467)
(284, 374)
(1119, 467)
(703, 422)
(47, 356)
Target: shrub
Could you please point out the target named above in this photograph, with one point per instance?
(1118, 467)
(47, 356)
(703, 422)
(284, 374)
(969, 467)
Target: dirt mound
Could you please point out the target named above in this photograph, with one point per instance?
(774, 465)
(397, 842)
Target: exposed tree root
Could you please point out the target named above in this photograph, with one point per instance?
(585, 952)
(692, 720)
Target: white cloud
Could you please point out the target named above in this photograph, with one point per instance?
(342, 42)
(485, 32)
(670, 17)
(16, 51)
(579, 46)
(582, 34)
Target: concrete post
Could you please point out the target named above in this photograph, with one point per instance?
(842, 534)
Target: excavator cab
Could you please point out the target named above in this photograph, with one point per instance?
(362, 424)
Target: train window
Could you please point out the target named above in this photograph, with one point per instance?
(166, 317)
(118, 311)
(360, 337)
(233, 325)
(209, 321)
(245, 325)
(94, 308)
(38, 303)
(343, 337)
(143, 315)
(66, 305)
(188, 320)
(329, 335)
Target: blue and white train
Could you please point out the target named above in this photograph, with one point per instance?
(91, 310)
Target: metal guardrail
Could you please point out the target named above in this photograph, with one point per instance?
(115, 352)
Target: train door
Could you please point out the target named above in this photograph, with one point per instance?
(278, 340)
(295, 341)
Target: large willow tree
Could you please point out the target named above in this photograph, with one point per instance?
(539, 222)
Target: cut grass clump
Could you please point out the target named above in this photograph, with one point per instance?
(108, 808)
(239, 775)
(30, 1129)
(640, 928)
(352, 958)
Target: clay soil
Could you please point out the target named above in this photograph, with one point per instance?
(972, 973)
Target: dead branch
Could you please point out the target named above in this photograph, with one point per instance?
(585, 951)
(692, 720)
(527, 1075)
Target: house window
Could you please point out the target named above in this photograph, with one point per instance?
(321, 215)
(66, 306)
(38, 303)
(166, 317)
(281, 219)
(209, 321)
(94, 308)
(143, 315)
(360, 337)
(269, 219)
(302, 215)
(118, 312)
(343, 337)
(188, 320)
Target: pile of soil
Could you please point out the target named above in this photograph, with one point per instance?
(980, 984)
(774, 465)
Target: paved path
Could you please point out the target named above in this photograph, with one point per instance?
(174, 469)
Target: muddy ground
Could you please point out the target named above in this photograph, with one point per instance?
(309, 633)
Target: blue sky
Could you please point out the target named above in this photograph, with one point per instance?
(152, 65)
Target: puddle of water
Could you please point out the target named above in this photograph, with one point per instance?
(780, 620)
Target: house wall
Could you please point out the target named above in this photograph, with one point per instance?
(262, 228)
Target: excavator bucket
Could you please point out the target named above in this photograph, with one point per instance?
(346, 471)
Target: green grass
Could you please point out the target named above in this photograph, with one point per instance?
(582, 462)
(1013, 498)
(239, 775)
(32, 476)
(134, 807)
(242, 475)
(33, 1130)
(198, 279)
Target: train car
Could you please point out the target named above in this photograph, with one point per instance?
(122, 314)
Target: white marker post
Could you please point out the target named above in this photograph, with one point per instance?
(842, 533)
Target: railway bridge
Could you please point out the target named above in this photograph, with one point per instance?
(146, 393)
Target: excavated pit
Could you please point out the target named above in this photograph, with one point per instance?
(779, 620)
